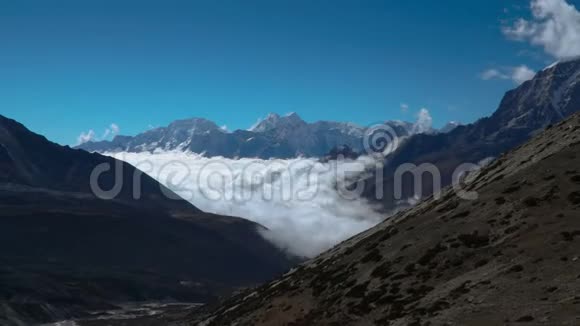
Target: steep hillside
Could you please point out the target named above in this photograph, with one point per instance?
(65, 251)
(509, 257)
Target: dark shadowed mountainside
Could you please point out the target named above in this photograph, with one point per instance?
(64, 251)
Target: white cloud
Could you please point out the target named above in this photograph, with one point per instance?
(295, 199)
(85, 137)
(493, 74)
(90, 135)
(112, 131)
(424, 121)
(555, 26)
(522, 73)
(115, 129)
(517, 74)
(404, 107)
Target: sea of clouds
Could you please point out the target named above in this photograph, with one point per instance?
(305, 204)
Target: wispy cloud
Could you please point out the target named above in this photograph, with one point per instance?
(111, 132)
(90, 135)
(115, 129)
(404, 107)
(86, 137)
(522, 73)
(555, 26)
(493, 74)
(424, 121)
(517, 74)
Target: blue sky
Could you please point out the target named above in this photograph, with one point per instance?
(70, 66)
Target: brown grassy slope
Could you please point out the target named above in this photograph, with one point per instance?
(511, 256)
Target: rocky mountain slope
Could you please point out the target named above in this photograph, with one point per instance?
(65, 251)
(273, 137)
(551, 96)
(509, 257)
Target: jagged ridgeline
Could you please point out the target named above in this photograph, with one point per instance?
(275, 136)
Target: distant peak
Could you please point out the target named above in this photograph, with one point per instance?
(399, 123)
(196, 124)
(551, 66)
(293, 116)
(449, 126)
(274, 120)
(265, 124)
(561, 61)
(192, 120)
(119, 138)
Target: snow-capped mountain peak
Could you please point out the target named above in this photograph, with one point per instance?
(194, 126)
(266, 124)
(275, 121)
(556, 63)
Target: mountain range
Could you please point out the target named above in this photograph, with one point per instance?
(66, 250)
(275, 136)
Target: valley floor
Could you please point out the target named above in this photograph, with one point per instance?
(135, 314)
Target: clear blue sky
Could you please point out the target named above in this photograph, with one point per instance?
(71, 66)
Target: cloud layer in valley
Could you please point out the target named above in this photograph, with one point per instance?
(297, 200)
